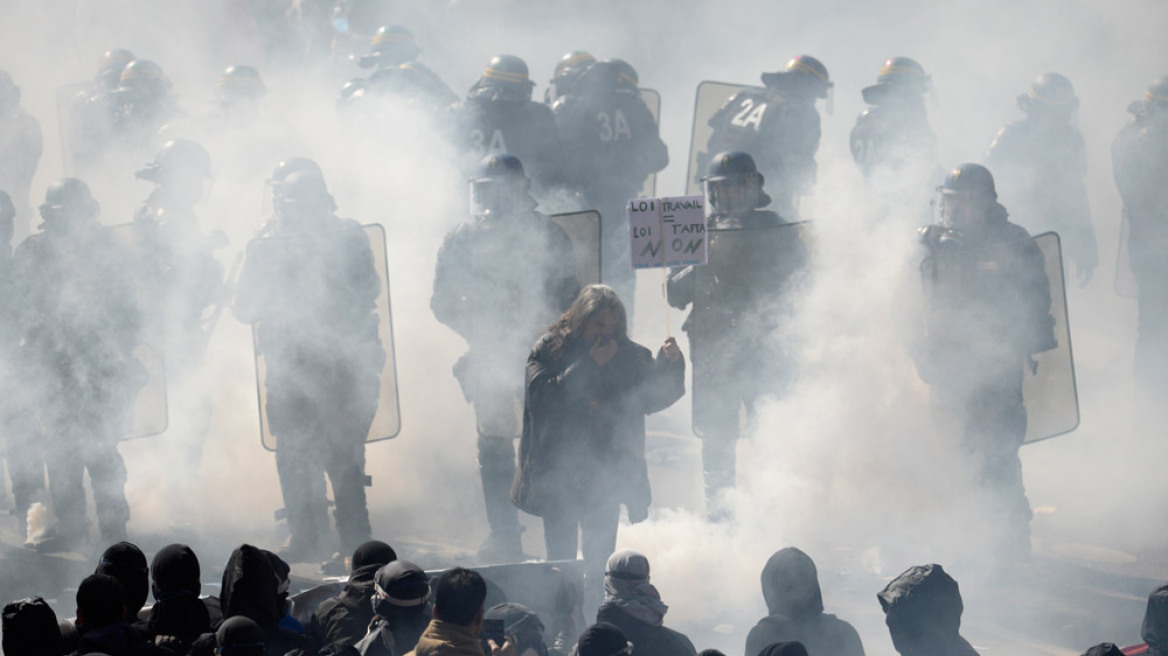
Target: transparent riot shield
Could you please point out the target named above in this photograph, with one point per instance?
(711, 96)
(652, 100)
(387, 420)
(149, 415)
(740, 300)
(583, 229)
(1049, 390)
(1125, 279)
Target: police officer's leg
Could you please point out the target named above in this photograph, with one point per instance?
(716, 415)
(107, 473)
(66, 469)
(346, 472)
(561, 532)
(996, 429)
(26, 463)
(495, 413)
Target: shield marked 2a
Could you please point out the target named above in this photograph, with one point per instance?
(711, 97)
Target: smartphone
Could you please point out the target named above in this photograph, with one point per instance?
(493, 630)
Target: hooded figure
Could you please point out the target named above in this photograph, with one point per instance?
(401, 610)
(1104, 649)
(785, 649)
(634, 606)
(30, 629)
(344, 619)
(790, 586)
(239, 636)
(178, 612)
(1155, 628)
(922, 608)
(251, 588)
(102, 621)
(126, 563)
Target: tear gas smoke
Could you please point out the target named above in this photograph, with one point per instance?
(846, 465)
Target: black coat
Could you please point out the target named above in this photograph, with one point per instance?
(647, 639)
(584, 425)
(344, 619)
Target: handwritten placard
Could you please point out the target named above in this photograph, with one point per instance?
(667, 232)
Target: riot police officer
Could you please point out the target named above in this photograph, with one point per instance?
(892, 143)
(778, 125)
(238, 91)
(498, 116)
(754, 255)
(89, 120)
(1041, 162)
(617, 146)
(500, 279)
(21, 145)
(181, 280)
(568, 69)
(398, 73)
(988, 314)
(1140, 162)
(79, 322)
(310, 289)
(143, 102)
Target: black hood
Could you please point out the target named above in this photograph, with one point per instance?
(175, 570)
(785, 648)
(126, 563)
(1155, 628)
(251, 587)
(368, 558)
(790, 585)
(30, 629)
(922, 609)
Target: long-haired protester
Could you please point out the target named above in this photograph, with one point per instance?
(582, 452)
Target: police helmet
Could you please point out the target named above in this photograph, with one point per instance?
(111, 65)
(1050, 92)
(808, 71)
(295, 164)
(973, 179)
(503, 167)
(904, 72)
(626, 75)
(178, 158)
(1157, 93)
(68, 199)
(391, 45)
(304, 190)
(734, 170)
(507, 71)
(143, 73)
(240, 81)
(572, 64)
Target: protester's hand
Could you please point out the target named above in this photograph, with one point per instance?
(603, 350)
(507, 649)
(671, 350)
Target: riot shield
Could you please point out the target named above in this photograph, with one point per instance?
(149, 415)
(740, 300)
(583, 229)
(1125, 279)
(652, 100)
(387, 420)
(1049, 390)
(710, 97)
